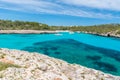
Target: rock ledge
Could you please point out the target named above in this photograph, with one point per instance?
(36, 66)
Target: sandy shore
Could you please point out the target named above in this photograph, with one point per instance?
(28, 31)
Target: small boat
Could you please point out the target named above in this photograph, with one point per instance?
(71, 32)
(58, 34)
(78, 32)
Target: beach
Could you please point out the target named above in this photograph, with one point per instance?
(27, 31)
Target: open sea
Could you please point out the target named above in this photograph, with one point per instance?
(92, 51)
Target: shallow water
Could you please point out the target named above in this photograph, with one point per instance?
(92, 51)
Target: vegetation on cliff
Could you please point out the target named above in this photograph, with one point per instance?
(21, 25)
(98, 28)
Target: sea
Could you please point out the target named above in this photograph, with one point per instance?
(92, 51)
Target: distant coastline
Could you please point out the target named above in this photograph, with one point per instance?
(25, 27)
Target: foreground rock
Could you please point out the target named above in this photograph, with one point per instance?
(36, 66)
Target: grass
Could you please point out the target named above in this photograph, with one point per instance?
(4, 66)
(118, 32)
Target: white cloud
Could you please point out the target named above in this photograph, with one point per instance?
(31, 3)
(100, 4)
(45, 6)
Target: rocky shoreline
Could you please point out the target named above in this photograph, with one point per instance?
(109, 34)
(35, 66)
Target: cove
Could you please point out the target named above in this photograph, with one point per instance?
(101, 53)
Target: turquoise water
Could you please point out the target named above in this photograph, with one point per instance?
(101, 53)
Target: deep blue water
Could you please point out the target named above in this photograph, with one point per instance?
(101, 53)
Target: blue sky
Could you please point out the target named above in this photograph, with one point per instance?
(62, 12)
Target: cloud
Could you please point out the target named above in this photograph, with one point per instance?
(64, 7)
(99, 4)
(30, 5)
